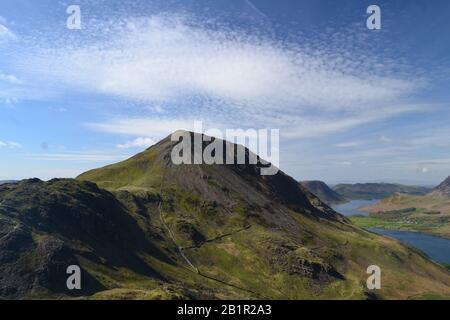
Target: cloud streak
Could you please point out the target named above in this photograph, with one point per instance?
(9, 78)
(79, 157)
(167, 58)
(139, 143)
(10, 144)
(156, 128)
(5, 33)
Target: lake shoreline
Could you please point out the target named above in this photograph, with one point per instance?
(434, 247)
(426, 238)
(354, 207)
(355, 211)
(367, 222)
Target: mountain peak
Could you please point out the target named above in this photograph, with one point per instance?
(443, 189)
(219, 183)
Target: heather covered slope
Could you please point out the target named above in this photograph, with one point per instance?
(152, 230)
(323, 192)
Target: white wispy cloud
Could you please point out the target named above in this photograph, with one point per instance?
(307, 127)
(156, 128)
(166, 58)
(186, 71)
(431, 137)
(292, 127)
(137, 143)
(344, 163)
(9, 78)
(7, 100)
(5, 33)
(90, 157)
(10, 144)
(349, 144)
(155, 109)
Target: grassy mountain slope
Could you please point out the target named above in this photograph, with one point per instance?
(298, 246)
(151, 230)
(323, 192)
(369, 191)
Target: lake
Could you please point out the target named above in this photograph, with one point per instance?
(352, 208)
(437, 248)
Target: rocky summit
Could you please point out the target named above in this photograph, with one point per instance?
(443, 189)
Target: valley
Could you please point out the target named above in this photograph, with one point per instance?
(397, 217)
(429, 213)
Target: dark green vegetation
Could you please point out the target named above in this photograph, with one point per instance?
(323, 192)
(147, 229)
(370, 191)
(428, 213)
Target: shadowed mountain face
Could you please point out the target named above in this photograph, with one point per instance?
(150, 229)
(369, 191)
(47, 226)
(323, 192)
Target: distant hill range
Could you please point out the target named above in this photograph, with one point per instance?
(323, 192)
(7, 181)
(146, 228)
(370, 191)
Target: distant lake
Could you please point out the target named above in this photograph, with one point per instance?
(437, 248)
(352, 208)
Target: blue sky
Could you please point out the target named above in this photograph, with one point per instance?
(352, 104)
